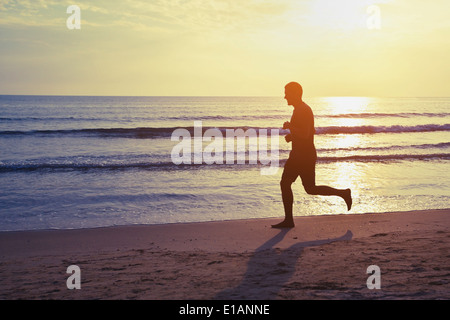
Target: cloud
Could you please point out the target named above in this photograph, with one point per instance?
(29, 13)
(197, 15)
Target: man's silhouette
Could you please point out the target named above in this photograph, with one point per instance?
(303, 156)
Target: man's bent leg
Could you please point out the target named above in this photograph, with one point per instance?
(308, 176)
(345, 194)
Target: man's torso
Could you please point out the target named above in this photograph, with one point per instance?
(303, 119)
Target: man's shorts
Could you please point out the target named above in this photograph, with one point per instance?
(305, 167)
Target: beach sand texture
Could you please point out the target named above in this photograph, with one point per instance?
(323, 257)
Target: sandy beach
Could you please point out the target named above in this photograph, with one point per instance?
(323, 257)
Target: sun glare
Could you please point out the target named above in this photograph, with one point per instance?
(342, 105)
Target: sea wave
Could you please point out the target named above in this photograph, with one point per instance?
(151, 132)
(386, 115)
(169, 165)
(425, 146)
(229, 117)
(382, 129)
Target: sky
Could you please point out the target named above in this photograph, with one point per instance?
(384, 48)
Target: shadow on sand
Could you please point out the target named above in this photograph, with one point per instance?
(269, 268)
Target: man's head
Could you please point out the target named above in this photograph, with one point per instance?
(293, 93)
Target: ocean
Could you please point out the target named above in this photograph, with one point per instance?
(69, 162)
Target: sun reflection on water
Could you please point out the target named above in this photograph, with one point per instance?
(345, 174)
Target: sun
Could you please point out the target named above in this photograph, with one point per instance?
(338, 15)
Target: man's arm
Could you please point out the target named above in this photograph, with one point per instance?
(287, 137)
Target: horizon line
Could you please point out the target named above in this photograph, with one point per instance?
(206, 96)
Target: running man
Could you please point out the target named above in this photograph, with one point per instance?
(303, 156)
